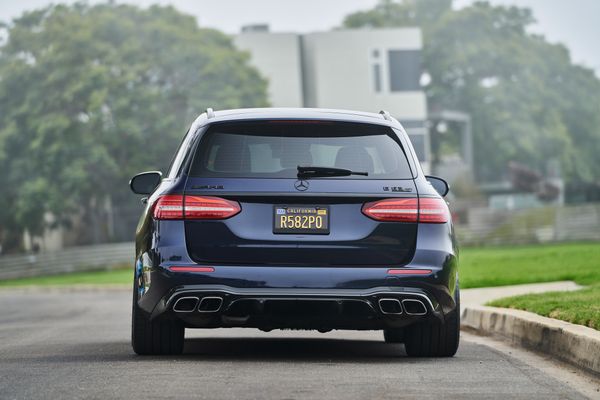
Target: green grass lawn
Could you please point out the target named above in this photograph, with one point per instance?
(479, 267)
(112, 277)
(580, 307)
(499, 266)
(579, 262)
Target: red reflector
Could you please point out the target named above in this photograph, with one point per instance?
(424, 210)
(177, 268)
(205, 207)
(176, 206)
(409, 271)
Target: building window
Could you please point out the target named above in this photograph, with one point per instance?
(404, 70)
(376, 70)
(377, 77)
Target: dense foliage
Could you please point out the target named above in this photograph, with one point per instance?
(90, 95)
(528, 101)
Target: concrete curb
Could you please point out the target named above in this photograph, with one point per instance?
(575, 344)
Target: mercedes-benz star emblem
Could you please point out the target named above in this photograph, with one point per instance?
(301, 185)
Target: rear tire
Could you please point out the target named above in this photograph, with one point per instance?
(154, 337)
(393, 335)
(436, 338)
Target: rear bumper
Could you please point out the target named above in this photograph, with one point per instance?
(213, 306)
(300, 297)
(283, 296)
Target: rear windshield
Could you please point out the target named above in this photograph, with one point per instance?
(274, 149)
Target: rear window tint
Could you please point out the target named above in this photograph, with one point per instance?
(274, 149)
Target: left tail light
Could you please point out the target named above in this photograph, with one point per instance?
(176, 206)
(169, 206)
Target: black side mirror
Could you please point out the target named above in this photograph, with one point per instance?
(440, 185)
(146, 182)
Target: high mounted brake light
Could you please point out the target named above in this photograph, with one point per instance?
(176, 206)
(301, 121)
(424, 210)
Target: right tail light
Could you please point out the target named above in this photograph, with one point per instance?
(424, 210)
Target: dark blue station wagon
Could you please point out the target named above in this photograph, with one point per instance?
(295, 219)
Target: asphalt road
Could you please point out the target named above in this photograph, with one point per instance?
(76, 345)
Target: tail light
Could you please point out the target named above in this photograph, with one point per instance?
(197, 207)
(176, 206)
(424, 210)
(169, 206)
(433, 211)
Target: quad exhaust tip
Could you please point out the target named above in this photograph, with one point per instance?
(390, 306)
(414, 307)
(210, 304)
(185, 304)
(190, 304)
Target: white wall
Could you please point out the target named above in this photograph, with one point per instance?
(335, 70)
(339, 71)
(277, 57)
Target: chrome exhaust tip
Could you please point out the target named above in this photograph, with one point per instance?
(390, 306)
(185, 304)
(210, 304)
(414, 307)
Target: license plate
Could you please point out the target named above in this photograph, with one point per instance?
(301, 219)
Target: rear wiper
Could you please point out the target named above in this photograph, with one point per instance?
(315, 172)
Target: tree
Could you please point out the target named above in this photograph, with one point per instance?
(528, 101)
(90, 95)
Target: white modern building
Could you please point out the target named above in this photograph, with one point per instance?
(358, 69)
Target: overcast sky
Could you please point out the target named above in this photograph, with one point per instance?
(575, 23)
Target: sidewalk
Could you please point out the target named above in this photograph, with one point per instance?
(575, 344)
(481, 296)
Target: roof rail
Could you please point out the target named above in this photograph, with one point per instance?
(386, 115)
(210, 113)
